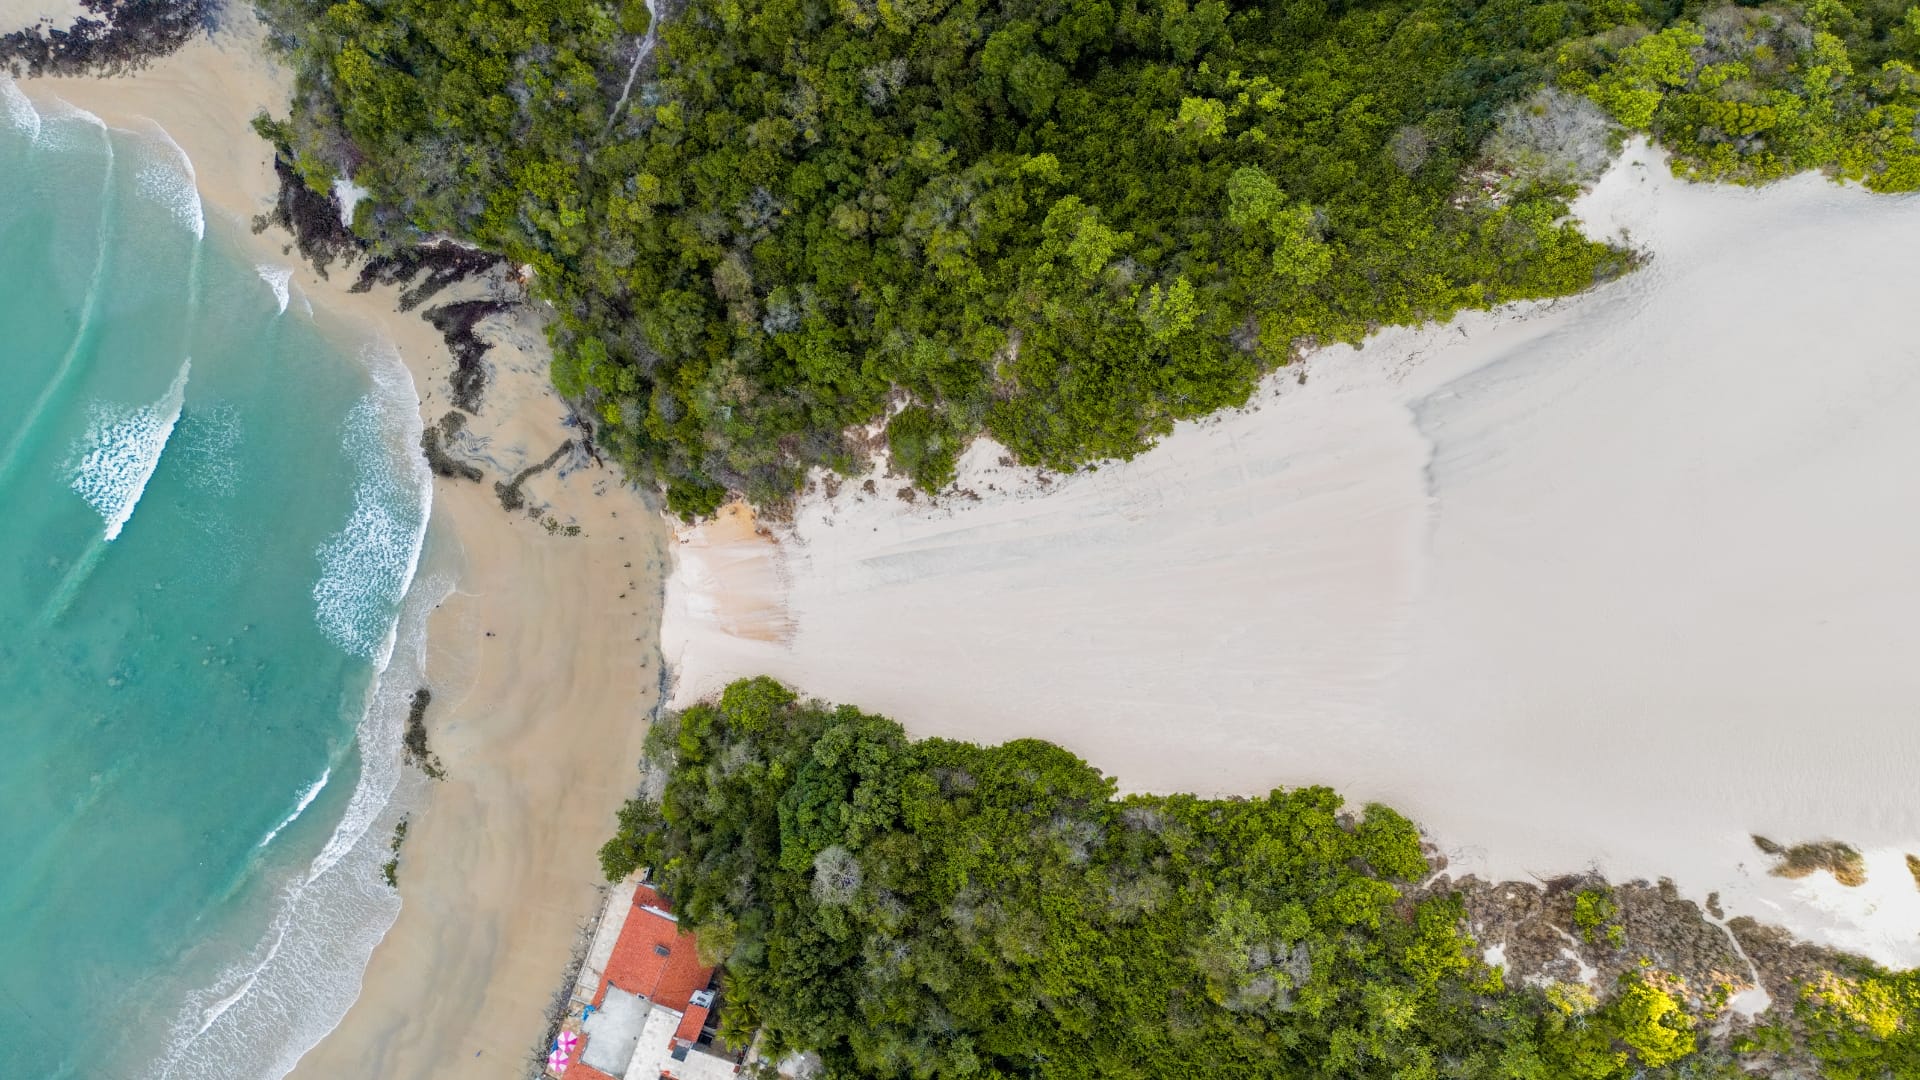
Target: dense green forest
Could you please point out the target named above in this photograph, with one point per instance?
(940, 909)
(1064, 224)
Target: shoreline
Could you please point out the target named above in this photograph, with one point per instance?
(540, 658)
(498, 872)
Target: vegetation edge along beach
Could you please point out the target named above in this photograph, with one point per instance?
(1065, 228)
(1066, 234)
(932, 907)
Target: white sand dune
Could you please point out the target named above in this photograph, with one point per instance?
(1611, 582)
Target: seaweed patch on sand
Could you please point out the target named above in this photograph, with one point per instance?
(444, 262)
(456, 322)
(1843, 861)
(434, 443)
(511, 497)
(390, 870)
(113, 38)
(414, 739)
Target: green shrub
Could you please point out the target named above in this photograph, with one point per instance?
(923, 445)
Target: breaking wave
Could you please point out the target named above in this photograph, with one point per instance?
(174, 186)
(306, 799)
(259, 1016)
(279, 279)
(365, 568)
(19, 112)
(123, 449)
(55, 135)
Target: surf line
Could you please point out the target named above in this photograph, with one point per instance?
(306, 800)
(83, 333)
(279, 279)
(113, 476)
(176, 189)
(20, 112)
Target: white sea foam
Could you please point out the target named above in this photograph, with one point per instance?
(262, 1014)
(279, 279)
(365, 567)
(306, 799)
(19, 112)
(68, 127)
(62, 109)
(121, 451)
(173, 184)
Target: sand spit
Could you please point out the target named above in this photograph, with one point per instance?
(542, 661)
(1612, 582)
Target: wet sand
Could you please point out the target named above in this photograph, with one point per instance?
(543, 662)
(544, 668)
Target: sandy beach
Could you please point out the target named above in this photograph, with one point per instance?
(18, 14)
(542, 660)
(544, 668)
(1612, 582)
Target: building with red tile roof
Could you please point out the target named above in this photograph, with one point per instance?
(688, 1032)
(653, 1001)
(654, 958)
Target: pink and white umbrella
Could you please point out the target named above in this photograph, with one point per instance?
(557, 1061)
(568, 1040)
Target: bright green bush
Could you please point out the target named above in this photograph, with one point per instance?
(1753, 94)
(1016, 214)
(1864, 1025)
(924, 445)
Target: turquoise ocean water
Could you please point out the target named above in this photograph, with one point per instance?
(210, 516)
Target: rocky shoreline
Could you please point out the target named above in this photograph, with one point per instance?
(317, 224)
(1578, 936)
(114, 37)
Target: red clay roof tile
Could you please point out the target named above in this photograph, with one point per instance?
(654, 957)
(690, 1024)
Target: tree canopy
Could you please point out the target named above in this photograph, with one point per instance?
(1066, 224)
(939, 909)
